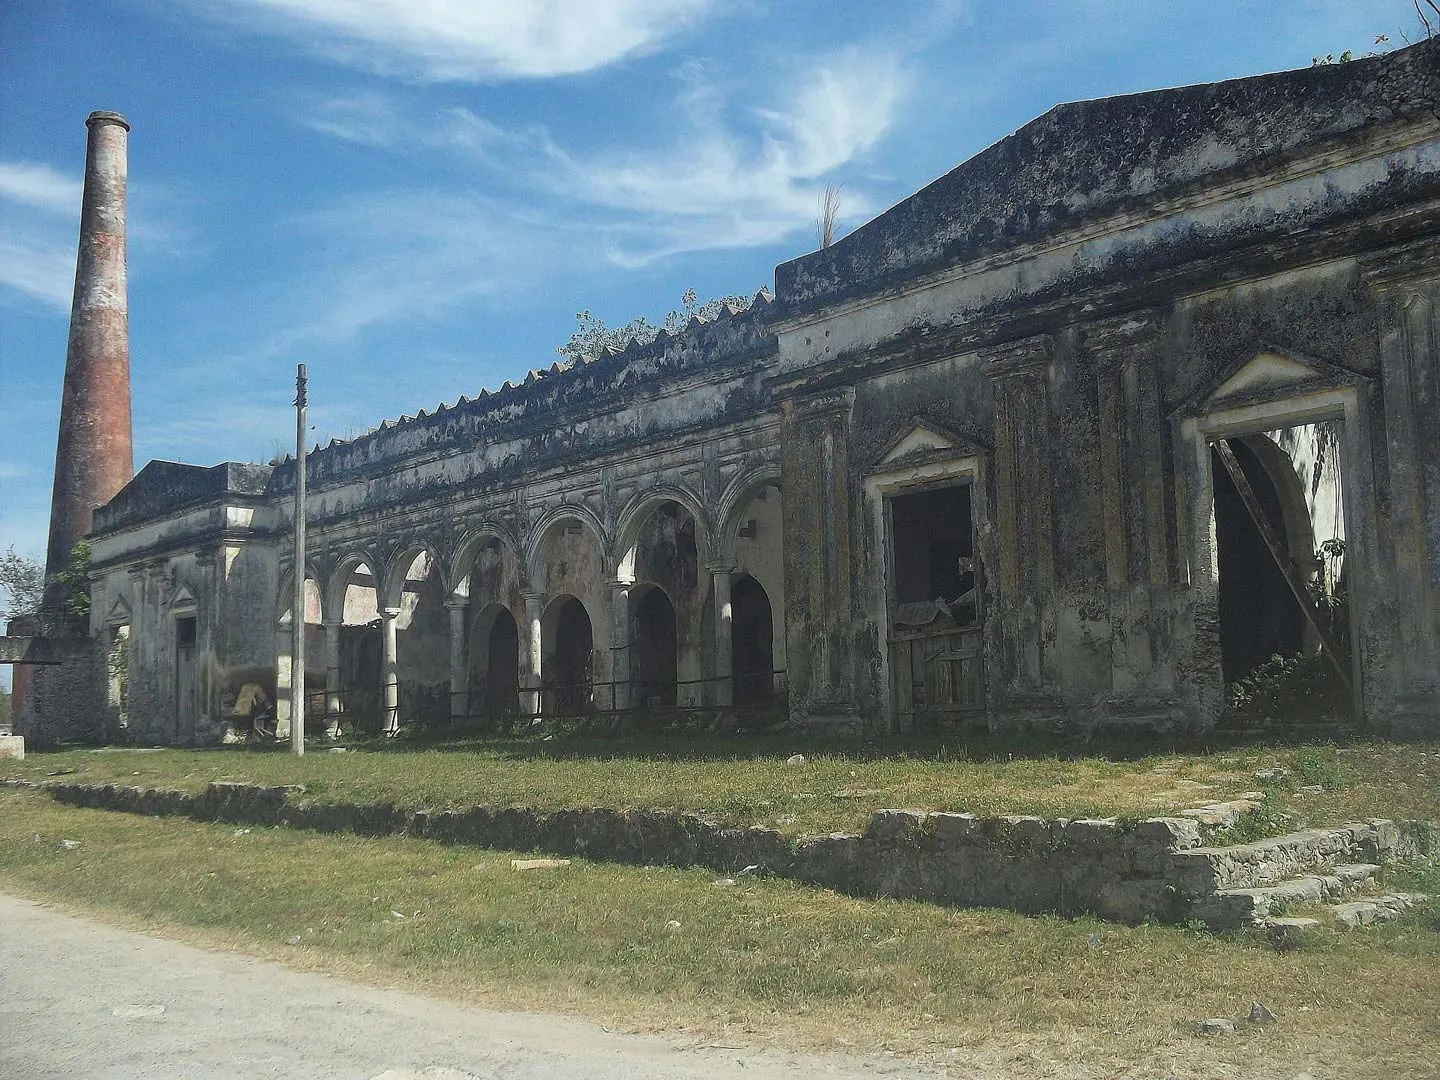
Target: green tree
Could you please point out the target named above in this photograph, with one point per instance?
(23, 582)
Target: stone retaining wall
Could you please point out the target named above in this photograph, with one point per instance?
(1120, 870)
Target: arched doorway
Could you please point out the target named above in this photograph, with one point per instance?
(653, 647)
(495, 681)
(360, 670)
(752, 634)
(1259, 614)
(568, 661)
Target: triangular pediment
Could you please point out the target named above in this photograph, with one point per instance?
(923, 440)
(1264, 371)
(183, 599)
(1268, 372)
(119, 612)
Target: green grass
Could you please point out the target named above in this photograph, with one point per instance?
(990, 993)
(747, 781)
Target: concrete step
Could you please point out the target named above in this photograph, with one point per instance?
(1205, 871)
(1230, 909)
(1354, 914)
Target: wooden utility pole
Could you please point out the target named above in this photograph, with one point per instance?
(297, 652)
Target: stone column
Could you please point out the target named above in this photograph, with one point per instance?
(620, 644)
(207, 660)
(389, 675)
(819, 575)
(531, 643)
(459, 668)
(1395, 623)
(1136, 504)
(1022, 611)
(723, 695)
(334, 704)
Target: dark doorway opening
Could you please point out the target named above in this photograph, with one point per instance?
(574, 649)
(752, 633)
(934, 607)
(502, 668)
(185, 704)
(1259, 614)
(654, 648)
(934, 550)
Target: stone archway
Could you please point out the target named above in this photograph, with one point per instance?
(568, 657)
(654, 649)
(752, 631)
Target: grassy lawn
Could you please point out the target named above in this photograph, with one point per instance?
(747, 781)
(991, 993)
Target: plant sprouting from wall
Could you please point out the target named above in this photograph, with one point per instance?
(829, 212)
(76, 579)
(592, 336)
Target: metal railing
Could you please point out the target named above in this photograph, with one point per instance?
(757, 699)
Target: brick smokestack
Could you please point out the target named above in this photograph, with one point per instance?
(93, 455)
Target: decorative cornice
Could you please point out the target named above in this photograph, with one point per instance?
(1023, 356)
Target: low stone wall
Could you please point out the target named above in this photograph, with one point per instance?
(1125, 871)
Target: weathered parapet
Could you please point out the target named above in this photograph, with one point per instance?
(558, 414)
(1125, 871)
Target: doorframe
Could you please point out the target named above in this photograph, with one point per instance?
(938, 469)
(1286, 407)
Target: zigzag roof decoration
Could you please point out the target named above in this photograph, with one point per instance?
(556, 380)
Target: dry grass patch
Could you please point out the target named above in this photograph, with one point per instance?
(762, 960)
(747, 781)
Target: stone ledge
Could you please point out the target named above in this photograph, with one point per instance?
(1123, 871)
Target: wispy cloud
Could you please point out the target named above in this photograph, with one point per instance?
(470, 40)
(37, 249)
(42, 272)
(718, 187)
(40, 186)
(730, 176)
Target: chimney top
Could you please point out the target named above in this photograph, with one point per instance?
(103, 117)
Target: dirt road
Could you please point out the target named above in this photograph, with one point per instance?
(80, 1000)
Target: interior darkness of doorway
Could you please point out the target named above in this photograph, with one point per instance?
(931, 533)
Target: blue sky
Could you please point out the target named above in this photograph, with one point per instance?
(416, 196)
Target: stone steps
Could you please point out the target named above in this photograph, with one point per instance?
(1202, 872)
(1230, 909)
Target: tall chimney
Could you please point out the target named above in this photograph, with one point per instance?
(93, 455)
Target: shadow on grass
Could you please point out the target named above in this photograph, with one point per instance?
(956, 746)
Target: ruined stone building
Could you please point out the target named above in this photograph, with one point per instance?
(1006, 454)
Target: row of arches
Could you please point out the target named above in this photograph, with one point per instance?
(556, 626)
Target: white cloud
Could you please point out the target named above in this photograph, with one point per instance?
(44, 273)
(39, 186)
(727, 179)
(719, 188)
(472, 40)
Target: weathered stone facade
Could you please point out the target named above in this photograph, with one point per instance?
(962, 467)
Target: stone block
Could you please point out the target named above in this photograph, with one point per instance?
(954, 829)
(896, 825)
(1088, 835)
(12, 747)
(1169, 833)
